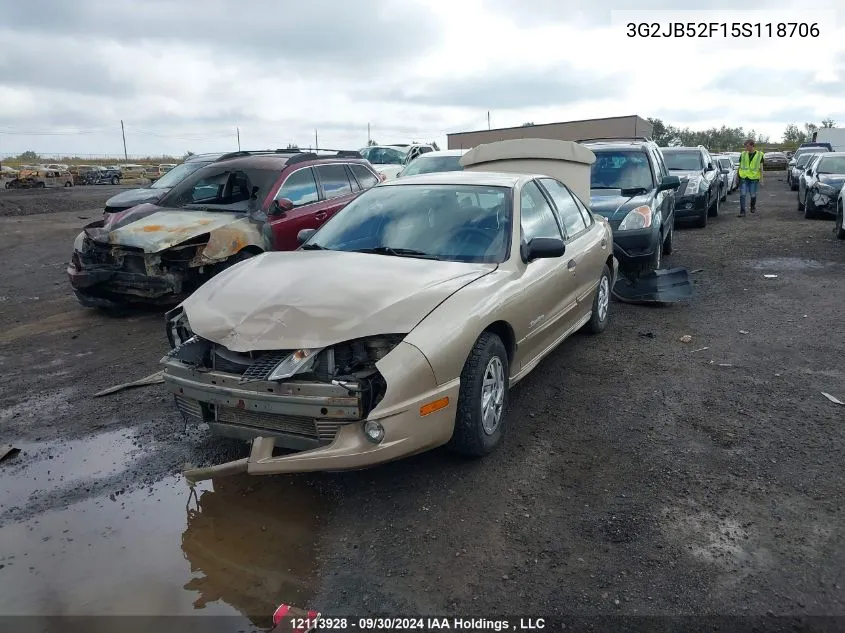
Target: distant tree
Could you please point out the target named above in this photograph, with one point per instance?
(528, 124)
(810, 129)
(827, 123)
(793, 135)
(371, 142)
(293, 147)
(664, 135)
(187, 155)
(29, 157)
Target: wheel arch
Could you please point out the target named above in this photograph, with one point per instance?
(505, 332)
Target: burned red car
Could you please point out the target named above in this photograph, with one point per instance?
(223, 213)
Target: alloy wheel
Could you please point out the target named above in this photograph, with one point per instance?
(492, 395)
(604, 297)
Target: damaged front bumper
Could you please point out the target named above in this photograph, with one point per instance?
(323, 422)
(107, 276)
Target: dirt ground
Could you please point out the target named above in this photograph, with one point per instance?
(640, 475)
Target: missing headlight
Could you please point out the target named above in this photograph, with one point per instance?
(177, 327)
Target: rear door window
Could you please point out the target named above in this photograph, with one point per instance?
(300, 188)
(334, 180)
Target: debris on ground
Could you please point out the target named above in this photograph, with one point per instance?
(647, 334)
(659, 287)
(686, 338)
(697, 270)
(833, 399)
(152, 379)
(700, 349)
(10, 451)
(770, 276)
(290, 619)
(744, 332)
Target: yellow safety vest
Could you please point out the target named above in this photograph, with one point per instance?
(750, 168)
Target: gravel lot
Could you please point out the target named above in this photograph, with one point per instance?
(641, 475)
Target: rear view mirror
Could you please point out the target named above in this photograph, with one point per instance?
(304, 235)
(669, 182)
(281, 206)
(543, 248)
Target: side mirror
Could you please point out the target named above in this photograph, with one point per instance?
(669, 182)
(281, 206)
(543, 248)
(709, 167)
(304, 235)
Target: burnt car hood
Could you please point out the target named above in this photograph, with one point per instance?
(154, 229)
(614, 206)
(132, 197)
(313, 299)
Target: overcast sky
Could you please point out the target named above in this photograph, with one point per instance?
(183, 75)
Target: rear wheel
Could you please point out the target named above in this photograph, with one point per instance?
(483, 398)
(800, 204)
(601, 303)
(115, 180)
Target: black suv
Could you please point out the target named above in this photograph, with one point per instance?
(133, 197)
(631, 187)
(698, 196)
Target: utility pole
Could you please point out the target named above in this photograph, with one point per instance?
(238, 132)
(368, 135)
(316, 143)
(123, 134)
(488, 119)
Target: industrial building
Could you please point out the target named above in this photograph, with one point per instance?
(620, 126)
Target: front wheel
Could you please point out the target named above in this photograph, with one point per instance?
(601, 303)
(483, 398)
(714, 211)
(840, 223)
(809, 207)
(115, 180)
(667, 243)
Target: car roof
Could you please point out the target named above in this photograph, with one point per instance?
(597, 146)
(444, 152)
(479, 178)
(831, 154)
(678, 148)
(278, 160)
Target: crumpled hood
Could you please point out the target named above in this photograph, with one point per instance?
(611, 204)
(155, 229)
(312, 299)
(832, 180)
(131, 197)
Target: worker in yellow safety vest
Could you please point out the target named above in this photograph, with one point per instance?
(750, 176)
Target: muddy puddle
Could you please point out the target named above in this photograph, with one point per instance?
(236, 547)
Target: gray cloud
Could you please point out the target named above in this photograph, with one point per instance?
(671, 116)
(525, 89)
(777, 83)
(363, 34)
(66, 68)
(597, 12)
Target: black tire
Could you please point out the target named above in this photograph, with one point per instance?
(840, 223)
(115, 180)
(714, 210)
(68, 184)
(809, 208)
(701, 222)
(600, 317)
(470, 436)
(800, 204)
(667, 242)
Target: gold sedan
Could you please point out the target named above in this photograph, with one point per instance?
(400, 325)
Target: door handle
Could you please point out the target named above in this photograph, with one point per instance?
(320, 216)
(572, 264)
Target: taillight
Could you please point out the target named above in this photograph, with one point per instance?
(77, 263)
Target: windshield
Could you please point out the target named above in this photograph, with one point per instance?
(175, 175)
(682, 161)
(459, 223)
(804, 158)
(621, 170)
(432, 164)
(832, 165)
(217, 188)
(384, 155)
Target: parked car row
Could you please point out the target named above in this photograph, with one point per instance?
(354, 319)
(820, 184)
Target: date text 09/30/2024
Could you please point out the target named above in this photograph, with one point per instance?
(415, 624)
(723, 29)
